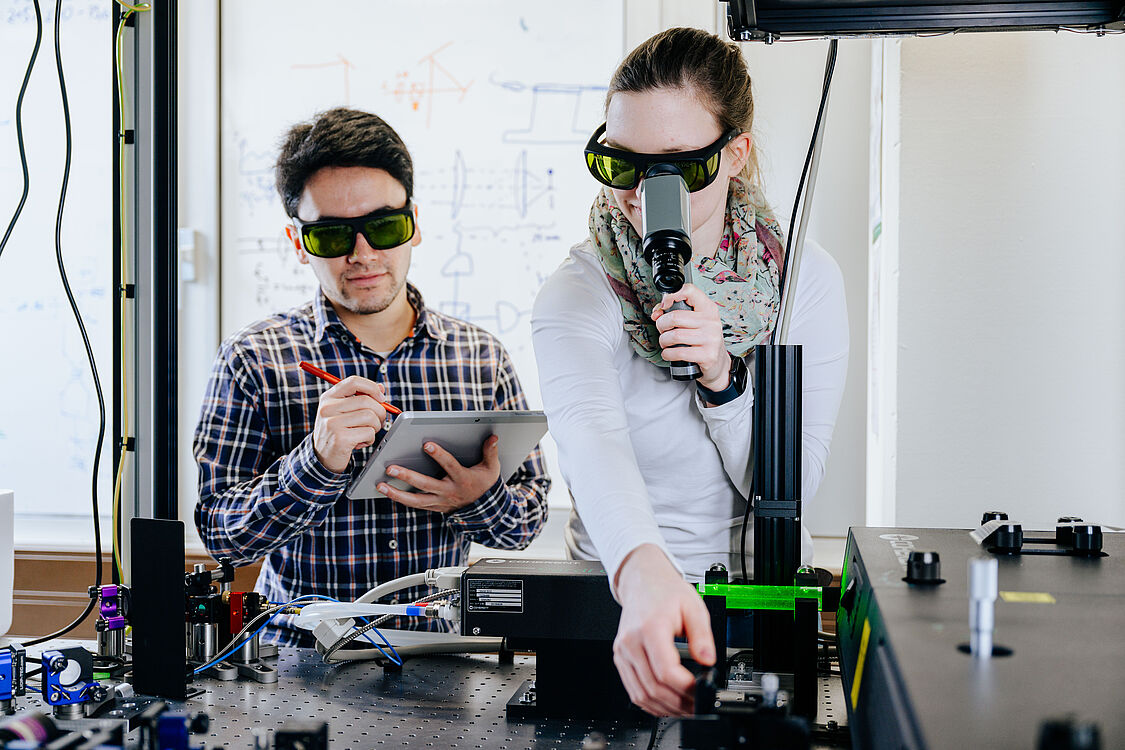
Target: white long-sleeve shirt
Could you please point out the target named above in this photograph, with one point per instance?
(644, 459)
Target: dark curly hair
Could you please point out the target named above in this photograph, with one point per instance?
(339, 137)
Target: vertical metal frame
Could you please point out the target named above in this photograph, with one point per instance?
(118, 375)
(155, 273)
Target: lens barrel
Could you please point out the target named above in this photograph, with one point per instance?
(667, 267)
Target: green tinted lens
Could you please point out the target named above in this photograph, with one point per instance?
(699, 174)
(330, 241)
(611, 171)
(389, 231)
(694, 174)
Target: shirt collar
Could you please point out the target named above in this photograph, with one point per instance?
(425, 322)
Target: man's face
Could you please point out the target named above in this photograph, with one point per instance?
(368, 280)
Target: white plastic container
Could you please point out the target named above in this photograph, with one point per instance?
(7, 557)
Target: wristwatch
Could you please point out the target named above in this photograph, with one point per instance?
(735, 388)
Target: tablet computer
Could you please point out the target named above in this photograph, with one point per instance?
(462, 433)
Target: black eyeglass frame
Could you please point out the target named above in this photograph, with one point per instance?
(356, 223)
(644, 162)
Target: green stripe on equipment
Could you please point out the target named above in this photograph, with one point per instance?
(762, 597)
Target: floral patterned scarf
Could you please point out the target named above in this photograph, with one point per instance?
(742, 278)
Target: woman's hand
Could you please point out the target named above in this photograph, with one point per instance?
(694, 335)
(657, 605)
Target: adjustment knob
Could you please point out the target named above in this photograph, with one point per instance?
(1087, 539)
(717, 573)
(847, 599)
(1068, 733)
(706, 690)
(1064, 530)
(1008, 539)
(199, 723)
(57, 664)
(923, 568)
(993, 515)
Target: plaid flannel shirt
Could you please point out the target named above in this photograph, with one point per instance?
(264, 494)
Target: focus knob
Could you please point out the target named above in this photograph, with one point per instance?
(1087, 539)
(1064, 530)
(1008, 539)
(717, 573)
(1069, 734)
(923, 568)
(993, 515)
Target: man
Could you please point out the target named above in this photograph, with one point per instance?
(277, 448)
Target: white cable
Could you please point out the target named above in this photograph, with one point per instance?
(331, 631)
(311, 614)
(390, 587)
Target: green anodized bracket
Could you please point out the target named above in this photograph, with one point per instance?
(762, 597)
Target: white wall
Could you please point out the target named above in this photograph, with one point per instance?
(787, 81)
(1011, 348)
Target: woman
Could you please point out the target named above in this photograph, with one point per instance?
(660, 469)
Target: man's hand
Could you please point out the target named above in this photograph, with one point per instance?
(460, 486)
(699, 330)
(349, 416)
(657, 605)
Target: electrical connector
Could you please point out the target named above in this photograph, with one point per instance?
(445, 578)
(329, 632)
(446, 611)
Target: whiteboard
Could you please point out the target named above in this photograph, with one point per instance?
(48, 407)
(495, 101)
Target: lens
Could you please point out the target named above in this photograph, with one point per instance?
(667, 270)
(329, 241)
(612, 171)
(389, 231)
(694, 174)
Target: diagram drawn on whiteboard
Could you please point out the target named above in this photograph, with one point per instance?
(558, 113)
(420, 87)
(473, 189)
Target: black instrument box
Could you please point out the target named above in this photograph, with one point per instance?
(538, 599)
(908, 684)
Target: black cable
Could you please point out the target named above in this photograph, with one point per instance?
(829, 66)
(745, 523)
(652, 737)
(19, 126)
(85, 341)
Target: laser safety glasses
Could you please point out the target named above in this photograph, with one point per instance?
(332, 238)
(623, 170)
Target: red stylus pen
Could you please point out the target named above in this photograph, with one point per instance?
(314, 370)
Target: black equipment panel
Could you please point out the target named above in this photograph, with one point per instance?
(159, 638)
(1063, 617)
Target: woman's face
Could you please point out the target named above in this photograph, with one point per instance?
(666, 121)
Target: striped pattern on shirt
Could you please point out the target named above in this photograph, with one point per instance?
(264, 494)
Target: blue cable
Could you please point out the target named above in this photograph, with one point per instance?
(396, 658)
